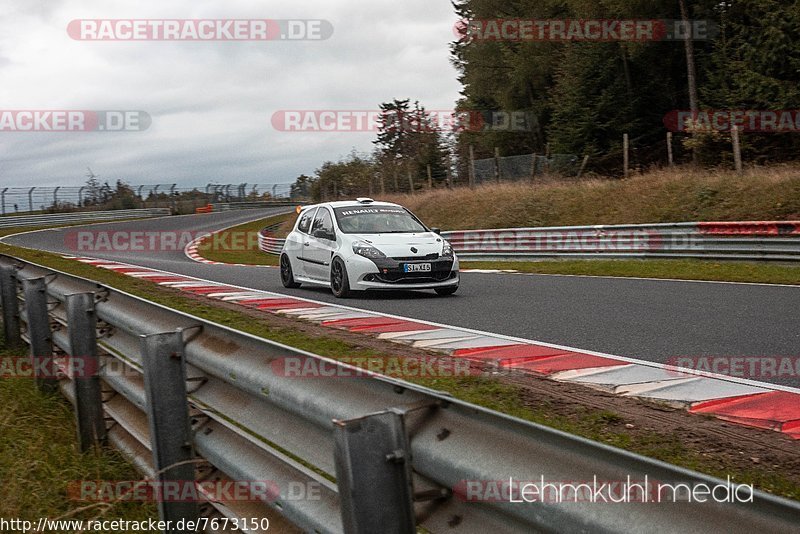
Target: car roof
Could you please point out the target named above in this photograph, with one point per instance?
(351, 204)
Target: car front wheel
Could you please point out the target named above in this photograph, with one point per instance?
(340, 283)
(287, 276)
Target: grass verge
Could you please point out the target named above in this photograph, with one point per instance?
(764, 273)
(669, 195)
(591, 423)
(239, 244)
(39, 458)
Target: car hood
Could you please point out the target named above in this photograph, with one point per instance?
(399, 245)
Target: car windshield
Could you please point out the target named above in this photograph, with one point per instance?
(377, 220)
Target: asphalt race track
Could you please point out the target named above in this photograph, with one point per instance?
(646, 319)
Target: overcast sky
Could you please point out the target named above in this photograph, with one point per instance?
(211, 102)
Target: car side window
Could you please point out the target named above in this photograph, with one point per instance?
(323, 221)
(305, 221)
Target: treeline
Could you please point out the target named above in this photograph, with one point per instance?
(586, 95)
(410, 152)
(582, 96)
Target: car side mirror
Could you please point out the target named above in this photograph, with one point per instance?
(322, 234)
(437, 231)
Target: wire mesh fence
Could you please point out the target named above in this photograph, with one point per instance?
(525, 167)
(17, 200)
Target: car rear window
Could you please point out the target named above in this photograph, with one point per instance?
(305, 220)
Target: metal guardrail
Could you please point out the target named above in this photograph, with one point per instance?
(86, 216)
(753, 241)
(269, 244)
(727, 240)
(22, 199)
(169, 388)
(228, 206)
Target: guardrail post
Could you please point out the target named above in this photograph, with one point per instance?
(82, 324)
(41, 338)
(10, 303)
(373, 472)
(168, 418)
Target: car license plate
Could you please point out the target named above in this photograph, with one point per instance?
(417, 267)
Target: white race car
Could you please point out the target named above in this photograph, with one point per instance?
(361, 245)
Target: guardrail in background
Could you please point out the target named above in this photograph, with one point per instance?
(725, 240)
(269, 244)
(87, 216)
(168, 388)
(228, 206)
(29, 199)
(778, 241)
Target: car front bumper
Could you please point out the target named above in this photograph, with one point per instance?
(388, 274)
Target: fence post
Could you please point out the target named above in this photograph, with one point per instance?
(625, 154)
(472, 166)
(168, 418)
(10, 302)
(410, 181)
(41, 338)
(373, 472)
(670, 156)
(82, 324)
(583, 165)
(430, 178)
(533, 167)
(737, 149)
(497, 164)
(3, 199)
(547, 159)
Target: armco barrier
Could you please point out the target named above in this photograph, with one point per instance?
(181, 390)
(228, 206)
(83, 216)
(754, 241)
(750, 228)
(719, 241)
(268, 243)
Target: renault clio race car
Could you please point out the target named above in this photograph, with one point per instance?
(363, 244)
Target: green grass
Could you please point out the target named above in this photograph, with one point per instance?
(240, 245)
(598, 425)
(669, 195)
(765, 273)
(39, 458)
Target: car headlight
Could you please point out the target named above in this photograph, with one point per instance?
(367, 250)
(447, 249)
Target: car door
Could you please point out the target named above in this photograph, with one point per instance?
(321, 246)
(297, 241)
